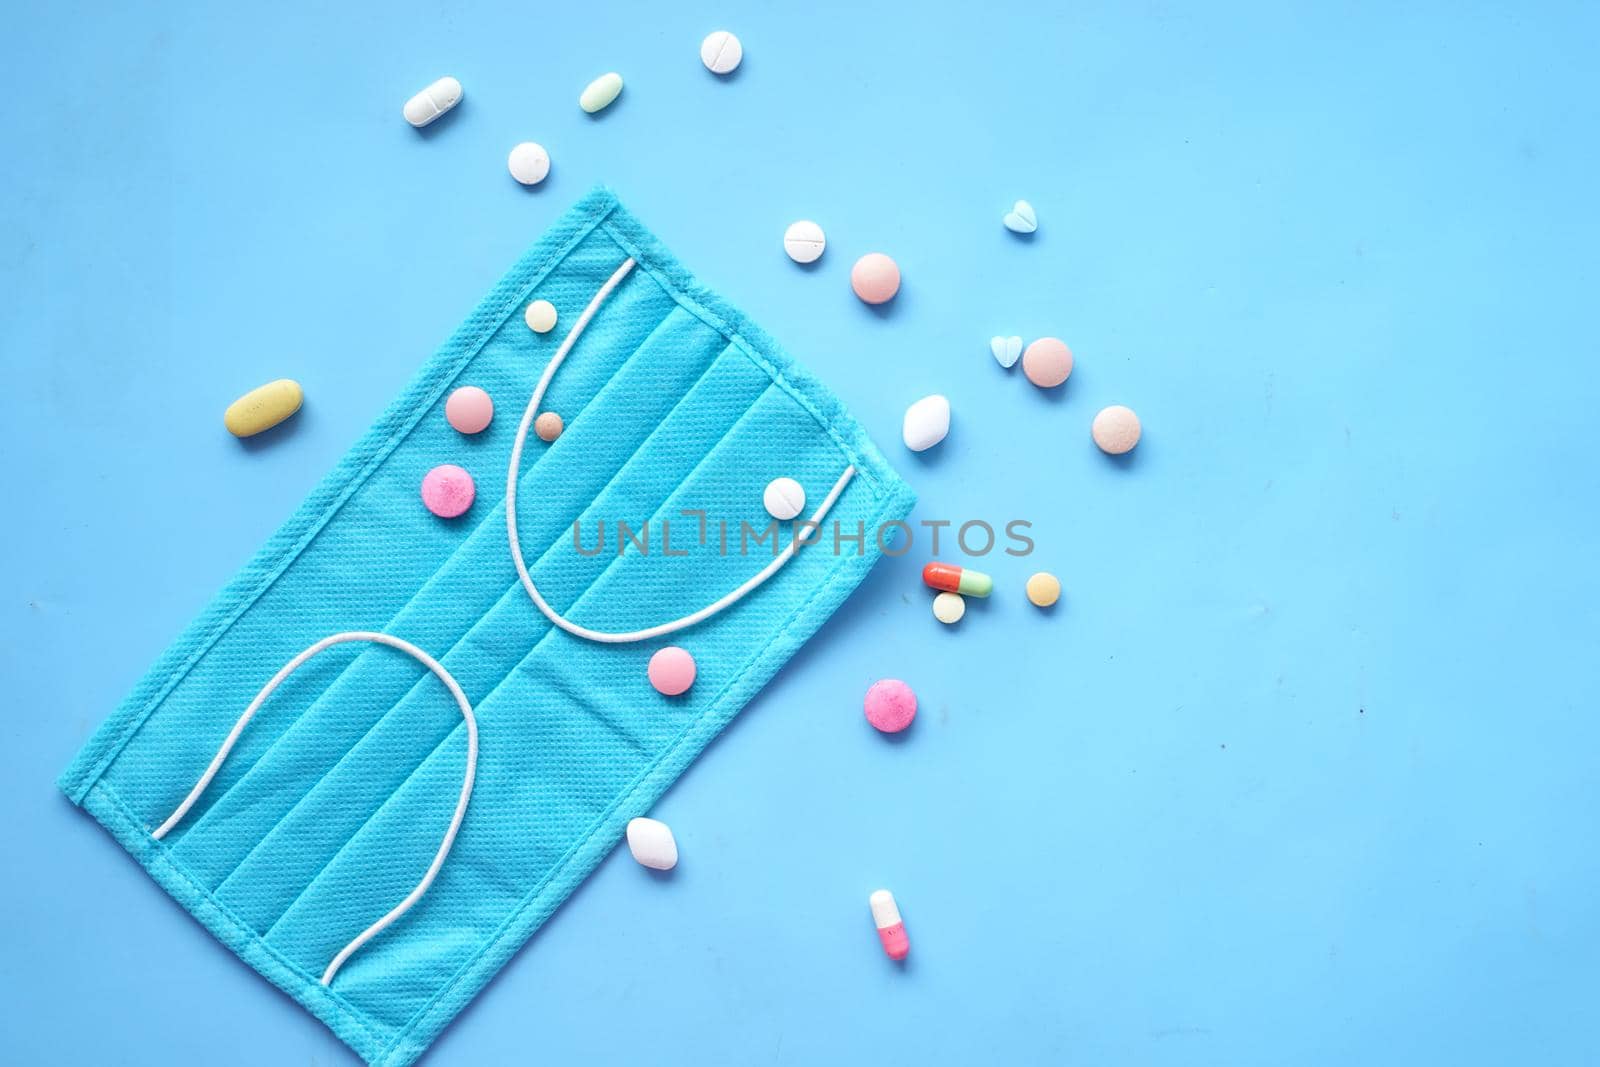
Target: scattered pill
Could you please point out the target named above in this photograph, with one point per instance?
(949, 607)
(1047, 362)
(432, 102)
(875, 278)
(721, 52)
(784, 499)
(1007, 350)
(469, 409)
(652, 844)
(671, 671)
(540, 316)
(1116, 429)
(1044, 589)
(954, 579)
(548, 426)
(926, 423)
(598, 94)
(263, 407)
(447, 490)
(1021, 219)
(528, 163)
(891, 705)
(891, 930)
(804, 241)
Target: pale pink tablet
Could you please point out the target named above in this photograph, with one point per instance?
(875, 278)
(447, 490)
(671, 671)
(891, 705)
(1116, 429)
(469, 409)
(1047, 362)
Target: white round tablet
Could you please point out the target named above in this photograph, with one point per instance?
(540, 316)
(804, 241)
(948, 608)
(528, 163)
(785, 498)
(721, 52)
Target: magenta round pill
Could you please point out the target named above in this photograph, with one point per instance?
(469, 409)
(671, 670)
(891, 705)
(875, 278)
(447, 490)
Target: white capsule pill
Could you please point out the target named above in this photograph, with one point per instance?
(804, 241)
(528, 163)
(432, 102)
(785, 498)
(598, 94)
(721, 52)
(652, 844)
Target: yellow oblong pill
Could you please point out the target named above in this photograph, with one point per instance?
(263, 408)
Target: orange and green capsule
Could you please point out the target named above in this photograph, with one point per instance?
(953, 579)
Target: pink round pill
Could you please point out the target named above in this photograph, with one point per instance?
(875, 278)
(447, 490)
(891, 705)
(469, 409)
(1047, 362)
(671, 671)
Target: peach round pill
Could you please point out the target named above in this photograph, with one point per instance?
(948, 608)
(447, 490)
(469, 409)
(891, 705)
(1044, 589)
(1047, 362)
(875, 278)
(540, 316)
(671, 671)
(548, 426)
(1116, 429)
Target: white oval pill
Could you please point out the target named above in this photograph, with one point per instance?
(721, 52)
(652, 844)
(804, 241)
(598, 94)
(432, 102)
(927, 422)
(785, 498)
(528, 163)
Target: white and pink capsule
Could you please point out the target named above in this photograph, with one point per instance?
(891, 930)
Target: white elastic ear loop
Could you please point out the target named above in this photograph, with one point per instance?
(514, 472)
(461, 804)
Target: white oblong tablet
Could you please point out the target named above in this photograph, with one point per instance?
(927, 422)
(598, 94)
(721, 52)
(804, 241)
(528, 163)
(784, 499)
(652, 844)
(432, 102)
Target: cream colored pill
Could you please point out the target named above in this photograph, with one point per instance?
(721, 52)
(263, 408)
(1044, 589)
(432, 102)
(528, 163)
(1116, 429)
(540, 316)
(949, 607)
(598, 94)
(804, 241)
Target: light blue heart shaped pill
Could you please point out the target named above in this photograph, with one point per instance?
(1021, 219)
(1007, 350)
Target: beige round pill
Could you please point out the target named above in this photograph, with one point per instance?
(1116, 429)
(540, 316)
(1047, 362)
(1044, 589)
(949, 607)
(548, 426)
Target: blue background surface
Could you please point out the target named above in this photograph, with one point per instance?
(1301, 770)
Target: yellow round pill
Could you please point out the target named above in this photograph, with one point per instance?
(263, 407)
(949, 607)
(1044, 589)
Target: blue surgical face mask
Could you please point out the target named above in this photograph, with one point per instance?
(392, 746)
